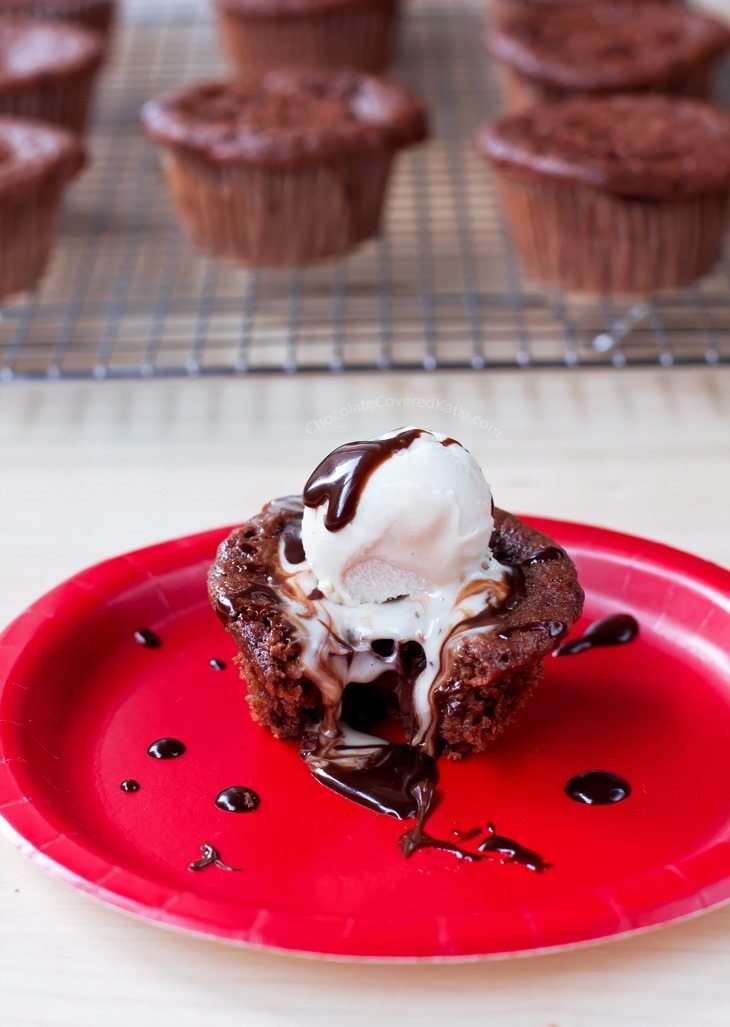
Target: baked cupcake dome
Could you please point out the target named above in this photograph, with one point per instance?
(36, 164)
(285, 169)
(553, 51)
(47, 71)
(488, 675)
(618, 194)
(97, 15)
(261, 34)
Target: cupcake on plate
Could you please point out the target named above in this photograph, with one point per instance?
(618, 194)
(47, 71)
(284, 169)
(554, 51)
(261, 34)
(393, 585)
(36, 164)
(97, 15)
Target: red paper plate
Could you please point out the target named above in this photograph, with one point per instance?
(82, 700)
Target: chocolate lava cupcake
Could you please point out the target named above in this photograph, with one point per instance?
(47, 71)
(97, 15)
(454, 662)
(619, 194)
(262, 34)
(285, 169)
(36, 164)
(551, 52)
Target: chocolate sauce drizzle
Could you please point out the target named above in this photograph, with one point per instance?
(598, 788)
(293, 545)
(148, 638)
(507, 850)
(238, 799)
(392, 780)
(166, 749)
(130, 785)
(341, 477)
(619, 629)
(210, 858)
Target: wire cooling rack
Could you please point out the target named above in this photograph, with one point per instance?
(127, 296)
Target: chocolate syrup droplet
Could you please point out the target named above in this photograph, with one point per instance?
(545, 555)
(598, 788)
(238, 799)
(148, 638)
(166, 749)
(130, 785)
(343, 474)
(210, 858)
(466, 836)
(315, 594)
(618, 629)
(507, 850)
(217, 664)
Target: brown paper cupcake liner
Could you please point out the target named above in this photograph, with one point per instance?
(268, 216)
(362, 36)
(27, 234)
(585, 240)
(65, 102)
(520, 92)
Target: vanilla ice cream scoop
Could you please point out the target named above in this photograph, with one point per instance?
(405, 514)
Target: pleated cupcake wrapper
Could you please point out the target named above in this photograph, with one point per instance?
(362, 36)
(65, 102)
(270, 216)
(583, 239)
(520, 92)
(27, 234)
(93, 14)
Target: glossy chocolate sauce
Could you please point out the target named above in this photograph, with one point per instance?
(166, 749)
(228, 608)
(216, 664)
(210, 858)
(467, 836)
(148, 638)
(341, 477)
(130, 785)
(390, 781)
(238, 799)
(618, 629)
(598, 788)
(292, 538)
(507, 850)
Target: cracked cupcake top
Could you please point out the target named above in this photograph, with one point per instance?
(644, 146)
(288, 117)
(37, 52)
(607, 46)
(32, 153)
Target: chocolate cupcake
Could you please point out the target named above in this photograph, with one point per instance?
(346, 626)
(47, 71)
(618, 194)
(36, 164)
(259, 35)
(97, 15)
(554, 51)
(285, 169)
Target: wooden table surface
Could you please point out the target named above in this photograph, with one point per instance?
(93, 470)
